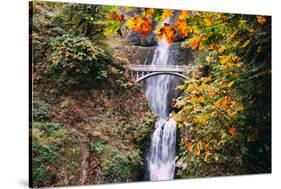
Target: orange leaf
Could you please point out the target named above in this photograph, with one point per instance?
(194, 42)
(116, 17)
(181, 26)
(261, 20)
(143, 25)
(167, 32)
(201, 99)
(232, 131)
(148, 12)
(134, 23)
(213, 47)
(208, 80)
(207, 153)
(221, 49)
(146, 26)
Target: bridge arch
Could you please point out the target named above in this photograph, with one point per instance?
(181, 76)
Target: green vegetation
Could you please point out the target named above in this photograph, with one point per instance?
(83, 120)
(116, 163)
(92, 125)
(51, 145)
(39, 111)
(76, 60)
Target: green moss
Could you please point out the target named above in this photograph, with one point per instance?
(53, 144)
(97, 146)
(116, 163)
(39, 110)
(143, 132)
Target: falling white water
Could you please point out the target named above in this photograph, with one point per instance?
(161, 156)
(161, 163)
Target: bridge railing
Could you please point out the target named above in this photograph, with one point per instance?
(160, 68)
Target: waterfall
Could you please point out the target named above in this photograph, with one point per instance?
(159, 91)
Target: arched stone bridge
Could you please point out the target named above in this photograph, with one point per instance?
(142, 72)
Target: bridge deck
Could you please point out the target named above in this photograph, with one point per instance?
(160, 68)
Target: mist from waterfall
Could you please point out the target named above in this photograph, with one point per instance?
(159, 91)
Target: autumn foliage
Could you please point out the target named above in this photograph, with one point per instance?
(142, 25)
(116, 17)
(181, 24)
(220, 128)
(167, 32)
(223, 110)
(166, 14)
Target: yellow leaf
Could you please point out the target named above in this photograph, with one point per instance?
(246, 43)
(224, 59)
(148, 12)
(230, 84)
(208, 21)
(183, 15)
(166, 14)
(129, 8)
(229, 66)
(202, 119)
(232, 35)
(134, 23)
(177, 118)
(238, 65)
(180, 87)
(221, 49)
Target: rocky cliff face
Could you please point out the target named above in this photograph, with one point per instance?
(127, 52)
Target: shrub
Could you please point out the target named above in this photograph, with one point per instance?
(48, 129)
(39, 110)
(97, 146)
(41, 155)
(76, 61)
(117, 163)
(143, 132)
